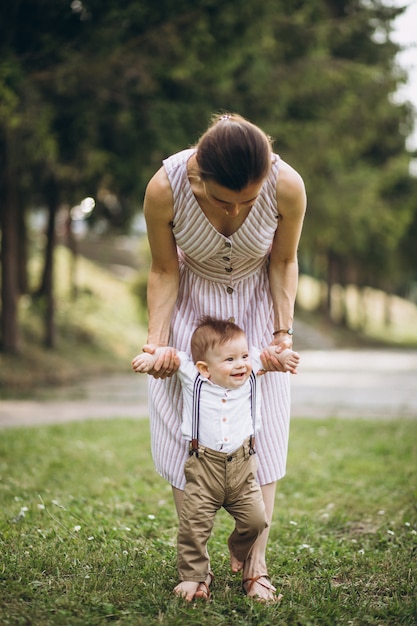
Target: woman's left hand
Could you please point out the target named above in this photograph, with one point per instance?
(270, 361)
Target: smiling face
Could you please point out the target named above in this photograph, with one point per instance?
(227, 364)
(229, 201)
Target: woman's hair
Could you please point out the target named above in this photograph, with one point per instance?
(210, 333)
(233, 152)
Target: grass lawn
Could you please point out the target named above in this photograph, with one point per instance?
(88, 530)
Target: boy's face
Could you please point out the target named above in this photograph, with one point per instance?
(227, 365)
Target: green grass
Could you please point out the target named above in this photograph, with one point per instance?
(88, 529)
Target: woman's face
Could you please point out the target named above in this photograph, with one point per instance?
(229, 201)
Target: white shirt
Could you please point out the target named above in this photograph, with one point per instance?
(225, 414)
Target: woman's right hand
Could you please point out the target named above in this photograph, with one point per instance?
(167, 362)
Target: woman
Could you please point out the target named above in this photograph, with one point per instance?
(224, 221)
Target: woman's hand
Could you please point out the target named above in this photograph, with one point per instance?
(268, 358)
(167, 361)
(270, 362)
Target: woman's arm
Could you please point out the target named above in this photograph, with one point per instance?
(283, 266)
(163, 277)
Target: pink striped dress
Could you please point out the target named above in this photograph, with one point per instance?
(225, 277)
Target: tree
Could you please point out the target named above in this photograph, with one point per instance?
(95, 93)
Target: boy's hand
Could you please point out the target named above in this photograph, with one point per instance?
(165, 361)
(274, 359)
(143, 363)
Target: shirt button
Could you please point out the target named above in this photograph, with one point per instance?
(229, 269)
(230, 458)
(229, 289)
(227, 244)
(224, 419)
(225, 439)
(224, 400)
(226, 258)
(231, 319)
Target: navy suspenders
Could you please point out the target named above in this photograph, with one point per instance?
(198, 382)
(252, 382)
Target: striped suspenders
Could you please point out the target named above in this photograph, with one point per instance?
(198, 382)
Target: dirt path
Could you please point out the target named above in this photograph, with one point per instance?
(331, 383)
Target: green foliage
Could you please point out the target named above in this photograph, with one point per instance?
(97, 93)
(98, 331)
(88, 530)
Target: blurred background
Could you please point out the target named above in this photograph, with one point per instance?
(94, 94)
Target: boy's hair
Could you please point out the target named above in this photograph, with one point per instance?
(210, 333)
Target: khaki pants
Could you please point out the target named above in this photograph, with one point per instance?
(215, 480)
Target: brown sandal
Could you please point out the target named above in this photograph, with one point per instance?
(203, 592)
(264, 581)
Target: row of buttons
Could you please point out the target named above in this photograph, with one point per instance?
(229, 269)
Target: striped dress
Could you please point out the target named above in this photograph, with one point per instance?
(225, 277)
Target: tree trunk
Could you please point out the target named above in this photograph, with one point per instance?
(330, 282)
(47, 286)
(10, 339)
(22, 259)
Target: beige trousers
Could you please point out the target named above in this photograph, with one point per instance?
(215, 480)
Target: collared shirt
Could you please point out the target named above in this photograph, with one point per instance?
(225, 414)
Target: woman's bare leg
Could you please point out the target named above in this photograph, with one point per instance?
(255, 565)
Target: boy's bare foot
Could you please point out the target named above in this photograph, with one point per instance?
(186, 589)
(235, 564)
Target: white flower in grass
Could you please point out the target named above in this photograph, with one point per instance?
(293, 523)
(77, 528)
(151, 517)
(381, 512)
(390, 532)
(21, 514)
(41, 507)
(407, 524)
(90, 538)
(361, 551)
(125, 552)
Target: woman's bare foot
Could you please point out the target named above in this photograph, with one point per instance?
(260, 588)
(186, 589)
